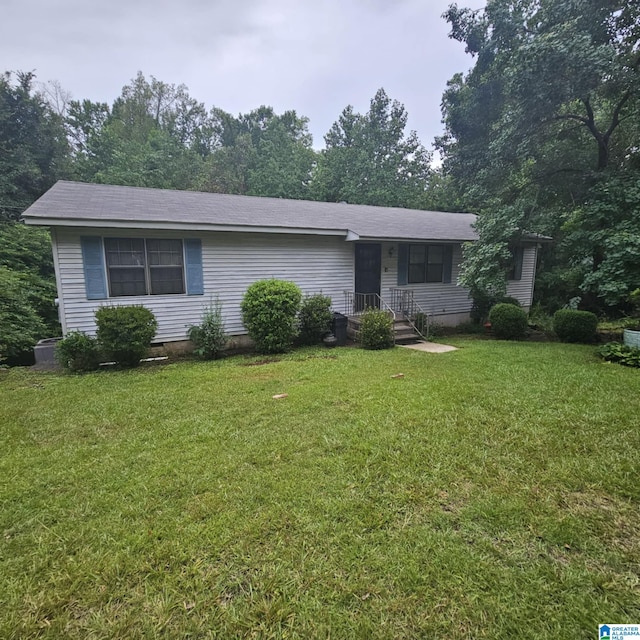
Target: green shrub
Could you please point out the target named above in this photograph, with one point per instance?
(539, 319)
(508, 322)
(484, 302)
(209, 337)
(125, 333)
(571, 325)
(510, 300)
(78, 352)
(621, 353)
(269, 310)
(376, 330)
(314, 318)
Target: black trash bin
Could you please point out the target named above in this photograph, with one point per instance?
(339, 328)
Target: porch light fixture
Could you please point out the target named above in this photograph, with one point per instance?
(391, 252)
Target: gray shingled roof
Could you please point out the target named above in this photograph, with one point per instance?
(75, 203)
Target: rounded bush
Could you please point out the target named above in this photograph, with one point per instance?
(78, 352)
(483, 303)
(508, 322)
(376, 330)
(314, 318)
(125, 333)
(571, 325)
(269, 310)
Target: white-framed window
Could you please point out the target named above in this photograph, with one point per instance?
(139, 266)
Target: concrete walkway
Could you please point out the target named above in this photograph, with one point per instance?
(430, 347)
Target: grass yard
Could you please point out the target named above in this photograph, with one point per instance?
(492, 492)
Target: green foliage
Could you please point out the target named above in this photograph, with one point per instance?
(542, 136)
(209, 337)
(473, 328)
(539, 319)
(78, 352)
(260, 153)
(34, 149)
(376, 330)
(314, 318)
(125, 333)
(483, 302)
(20, 325)
(368, 159)
(621, 353)
(571, 325)
(508, 322)
(27, 291)
(269, 310)
(26, 252)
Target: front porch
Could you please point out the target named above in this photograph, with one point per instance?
(410, 321)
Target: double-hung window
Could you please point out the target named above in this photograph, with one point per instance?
(138, 266)
(426, 263)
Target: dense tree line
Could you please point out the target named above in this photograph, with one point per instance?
(543, 135)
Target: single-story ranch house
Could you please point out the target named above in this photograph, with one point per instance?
(176, 251)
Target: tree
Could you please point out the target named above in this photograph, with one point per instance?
(154, 135)
(538, 128)
(33, 146)
(260, 153)
(27, 291)
(368, 159)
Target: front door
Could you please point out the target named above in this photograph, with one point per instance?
(368, 261)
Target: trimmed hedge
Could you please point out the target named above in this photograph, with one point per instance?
(269, 310)
(125, 333)
(78, 352)
(571, 325)
(376, 330)
(508, 322)
(484, 302)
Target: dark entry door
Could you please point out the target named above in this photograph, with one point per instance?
(368, 263)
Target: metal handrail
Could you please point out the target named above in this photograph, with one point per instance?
(403, 301)
(355, 304)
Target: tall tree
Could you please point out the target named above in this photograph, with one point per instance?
(369, 160)
(33, 145)
(539, 127)
(154, 135)
(260, 153)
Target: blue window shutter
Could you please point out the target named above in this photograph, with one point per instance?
(403, 263)
(95, 281)
(193, 266)
(447, 263)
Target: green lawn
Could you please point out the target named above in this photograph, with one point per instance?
(491, 492)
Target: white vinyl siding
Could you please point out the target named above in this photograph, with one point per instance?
(448, 298)
(230, 261)
(435, 298)
(522, 290)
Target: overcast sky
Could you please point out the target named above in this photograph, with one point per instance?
(312, 56)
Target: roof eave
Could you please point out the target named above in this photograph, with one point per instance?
(183, 226)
